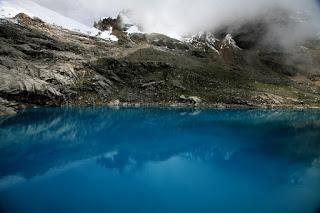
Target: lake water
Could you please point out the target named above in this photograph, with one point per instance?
(160, 160)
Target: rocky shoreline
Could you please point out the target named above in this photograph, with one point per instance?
(9, 111)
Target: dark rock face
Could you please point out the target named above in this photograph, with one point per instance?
(6, 111)
(262, 31)
(44, 65)
(106, 24)
(37, 69)
(21, 17)
(116, 26)
(20, 79)
(247, 35)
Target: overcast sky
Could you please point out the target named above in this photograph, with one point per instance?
(175, 16)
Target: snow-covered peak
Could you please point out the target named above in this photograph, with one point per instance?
(10, 8)
(206, 37)
(122, 24)
(107, 35)
(229, 42)
(202, 39)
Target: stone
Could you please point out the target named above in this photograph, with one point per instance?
(195, 100)
(183, 98)
(6, 110)
(114, 103)
(190, 100)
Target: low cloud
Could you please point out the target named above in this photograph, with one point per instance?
(180, 17)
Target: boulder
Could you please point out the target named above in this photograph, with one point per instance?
(6, 110)
(190, 100)
(114, 103)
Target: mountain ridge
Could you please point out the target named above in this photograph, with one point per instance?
(44, 65)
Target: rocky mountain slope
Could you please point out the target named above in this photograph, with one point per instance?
(42, 64)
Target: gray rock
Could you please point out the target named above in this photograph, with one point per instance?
(195, 100)
(6, 110)
(114, 103)
(190, 100)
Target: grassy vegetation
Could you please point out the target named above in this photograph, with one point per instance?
(277, 89)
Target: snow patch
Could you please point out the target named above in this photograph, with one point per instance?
(203, 38)
(229, 42)
(10, 8)
(108, 35)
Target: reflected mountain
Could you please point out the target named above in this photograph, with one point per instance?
(37, 140)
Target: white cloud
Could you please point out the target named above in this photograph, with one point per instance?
(177, 16)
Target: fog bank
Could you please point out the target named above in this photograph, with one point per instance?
(180, 17)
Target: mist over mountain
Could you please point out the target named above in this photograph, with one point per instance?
(178, 17)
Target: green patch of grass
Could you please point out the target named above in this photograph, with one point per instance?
(276, 89)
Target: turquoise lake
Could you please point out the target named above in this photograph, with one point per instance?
(160, 160)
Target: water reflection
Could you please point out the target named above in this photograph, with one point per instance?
(37, 140)
(266, 148)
